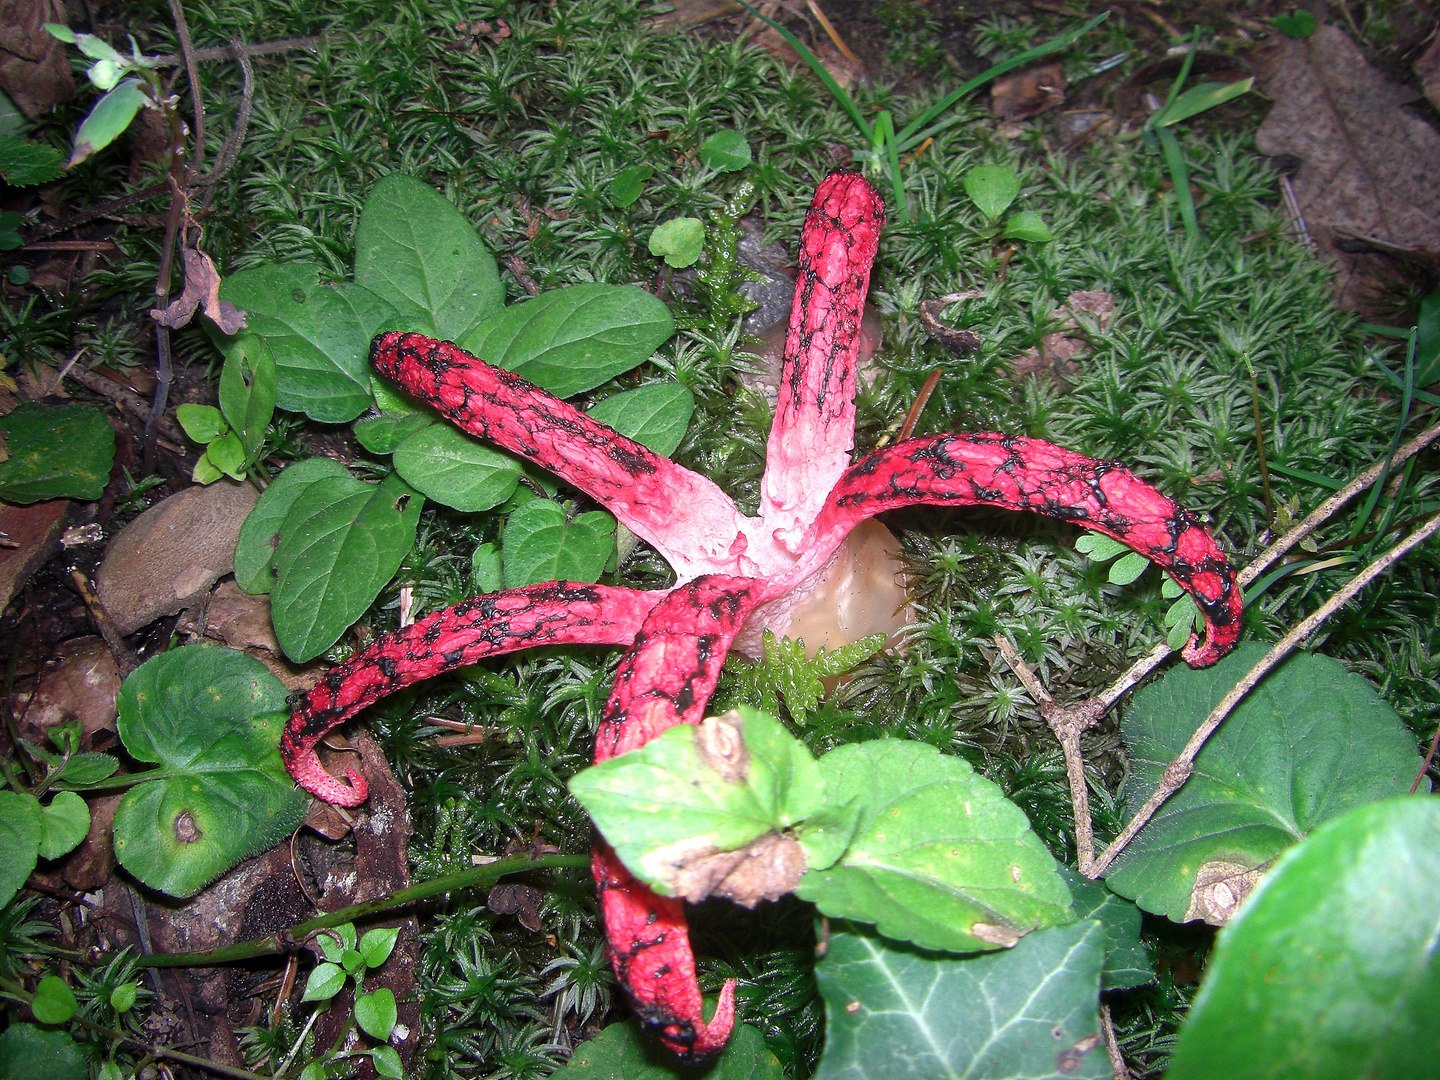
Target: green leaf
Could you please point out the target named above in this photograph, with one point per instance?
(1127, 960)
(318, 335)
(347, 935)
(375, 1013)
(1306, 745)
(201, 422)
(331, 946)
(992, 188)
(1329, 970)
(940, 857)
(376, 945)
(693, 792)
(352, 962)
(211, 718)
(456, 469)
(56, 452)
(249, 382)
(1028, 226)
(61, 32)
(1297, 24)
(540, 544)
(206, 471)
(655, 416)
(341, 542)
(1427, 341)
(260, 534)
(24, 163)
(485, 573)
(54, 1001)
(1099, 547)
(227, 454)
(108, 119)
(66, 820)
(1031, 1013)
(679, 240)
(575, 338)
(326, 980)
(628, 184)
(30, 1053)
(21, 830)
(1199, 99)
(414, 249)
(725, 151)
(386, 1060)
(83, 769)
(621, 1052)
(1128, 568)
(122, 998)
(382, 434)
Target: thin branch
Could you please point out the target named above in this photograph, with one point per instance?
(1179, 770)
(236, 50)
(187, 50)
(1425, 765)
(1118, 1068)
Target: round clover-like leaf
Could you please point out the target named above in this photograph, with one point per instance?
(940, 857)
(455, 469)
(375, 1013)
(540, 543)
(655, 416)
(573, 339)
(22, 828)
(54, 1001)
(211, 718)
(992, 188)
(1329, 971)
(621, 1052)
(1030, 1013)
(56, 452)
(679, 241)
(1306, 745)
(260, 534)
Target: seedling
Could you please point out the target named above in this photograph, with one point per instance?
(993, 188)
(349, 959)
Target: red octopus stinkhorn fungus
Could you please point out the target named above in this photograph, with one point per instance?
(737, 575)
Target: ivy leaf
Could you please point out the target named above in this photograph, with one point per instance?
(679, 241)
(260, 534)
(414, 249)
(456, 469)
(655, 416)
(992, 188)
(318, 336)
(621, 1052)
(31, 1053)
(1329, 970)
(66, 820)
(211, 718)
(56, 452)
(725, 151)
(693, 792)
(21, 830)
(326, 980)
(1030, 1013)
(1127, 961)
(54, 1002)
(1307, 744)
(541, 544)
(342, 540)
(573, 339)
(787, 672)
(375, 1013)
(940, 857)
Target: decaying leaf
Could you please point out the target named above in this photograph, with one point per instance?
(1220, 887)
(202, 287)
(1028, 92)
(34, 70)
(1083, 313)
(1368, 165)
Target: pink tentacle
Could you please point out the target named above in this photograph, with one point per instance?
(554, 613)
(666, 679)
(1017, 473)
(685, 516)
(814, 428)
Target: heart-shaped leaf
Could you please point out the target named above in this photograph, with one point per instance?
(1028, 226)
(414, 249)
(454, 468)
(1306, 745)
(992, 188)
(725, 151)
(56, 452)
(575, 338)
(1329, 970)
(375, 1013)
(54, 1001)
(540, 543)
(940, 857)
(211, 718)
(621, 1052)
(375, 947)
(655, 416)
(260, 534)
(326, 980)
(628, 184)
(318, 336)
(341, 541)
(1030, 1013)
(21, 830)
(66, 820)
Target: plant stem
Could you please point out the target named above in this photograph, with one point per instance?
(283, 940)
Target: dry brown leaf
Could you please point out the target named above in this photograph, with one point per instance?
(202, 286)
(1084, 312)
(1368, 166)
(1028, 92)
(33, 67)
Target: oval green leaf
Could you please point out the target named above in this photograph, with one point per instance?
(31, 1053)
(326, 980)
(56, 452)
(201, 423)
(386, 1060)
(573, 339)
(992, 188)
(456, 469)
(375, 1013)
(940, 857)
(679, 240)
(227, 454)
(1329, 971)
(541, 544)
(382, 434)
(66, 820)
(655, 416)
(248, 385)
(108, 119)
(260, 534)
(1306, 745)
(376, 945)
(21, 830)
(419, 253)
(628, 184)
(211, 718)
(122, 998)
(725, 151)
(1028, 226)
(1031, 1013)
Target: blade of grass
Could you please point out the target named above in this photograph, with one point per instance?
(1407, 392)
(1180, 175)
(885, 133)
(1419, 395)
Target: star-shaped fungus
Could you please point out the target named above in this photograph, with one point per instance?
(737, 575)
